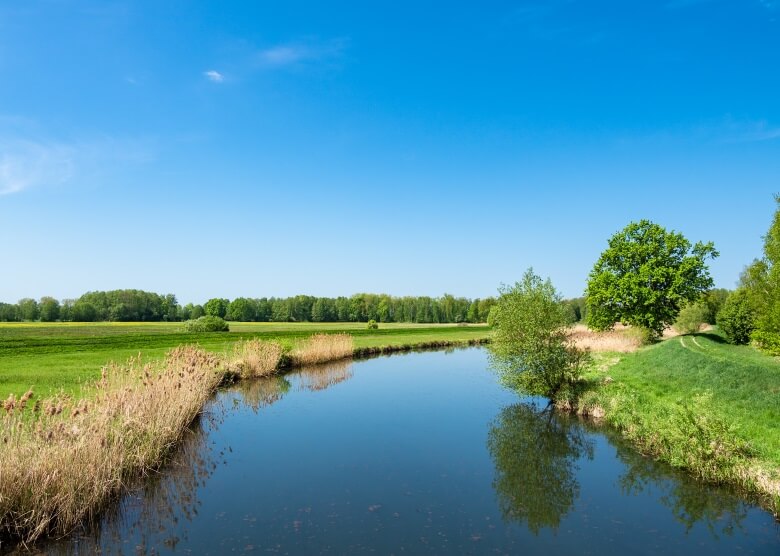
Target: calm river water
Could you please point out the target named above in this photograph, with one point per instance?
(416, 453)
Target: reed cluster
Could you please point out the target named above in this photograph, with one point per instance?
(255, 358)
(64, 459)
(322, 348)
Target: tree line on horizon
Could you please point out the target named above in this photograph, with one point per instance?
(132, 305)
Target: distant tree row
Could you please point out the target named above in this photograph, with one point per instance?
(141, 306)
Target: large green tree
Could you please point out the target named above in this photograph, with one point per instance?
(646, 275)
(531, 348)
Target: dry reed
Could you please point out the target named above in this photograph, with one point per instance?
(256, 358)
(322, 348)
(620, 339)
(64, 460)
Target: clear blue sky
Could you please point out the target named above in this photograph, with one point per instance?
(275, 148)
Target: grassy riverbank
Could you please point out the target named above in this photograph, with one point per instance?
(53, 356)
(697, 403)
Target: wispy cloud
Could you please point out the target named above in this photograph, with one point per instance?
(25, 164)
(30, 157)
(214, 76)
(300, 52)
(756, 132)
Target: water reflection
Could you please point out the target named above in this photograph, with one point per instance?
(262, 392)
(397, 460)
(535, 454)
(721, 510)
(163, 499)
(324, 376)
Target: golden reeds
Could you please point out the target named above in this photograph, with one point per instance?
(63, 462)
(322, 348)
(256, 358)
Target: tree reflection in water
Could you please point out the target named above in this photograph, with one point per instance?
(535, 453)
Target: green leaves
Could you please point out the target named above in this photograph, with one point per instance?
(645, 277)
(531, 348)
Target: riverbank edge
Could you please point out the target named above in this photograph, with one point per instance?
(590, 400)
(13, 533)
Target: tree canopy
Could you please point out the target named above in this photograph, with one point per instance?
(137, 305)
(645, 276)
(531, 348)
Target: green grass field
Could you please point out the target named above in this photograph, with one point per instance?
(54, 356)
(744, 385)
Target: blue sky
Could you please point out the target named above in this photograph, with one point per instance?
(269, 149)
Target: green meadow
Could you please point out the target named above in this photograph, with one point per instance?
(50, 357)
(697, 402)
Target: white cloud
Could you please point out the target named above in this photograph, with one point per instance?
(25, 164)
(214, 75)
(300, 52)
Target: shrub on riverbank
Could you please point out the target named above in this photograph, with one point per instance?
(532, 349)
(737, 318)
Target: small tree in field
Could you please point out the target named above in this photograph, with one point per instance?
(531, 348)
(737, 318)
(645, 277)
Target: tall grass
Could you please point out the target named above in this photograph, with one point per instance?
(256, 358)
(322, 348)
(65, 460)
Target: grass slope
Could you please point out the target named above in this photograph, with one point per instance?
(698, 403)
(54, 356)
(744, 383)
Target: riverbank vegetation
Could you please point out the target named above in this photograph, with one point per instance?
(695, 402)
(67, 456)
